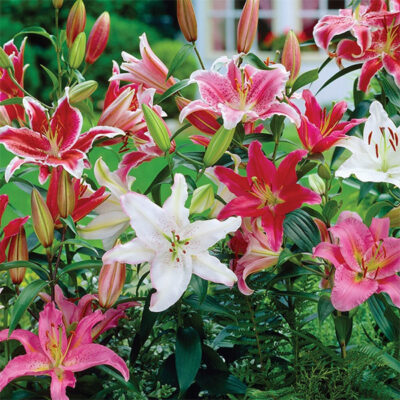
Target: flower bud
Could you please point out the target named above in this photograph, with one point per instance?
(111, 281)
(76, 21)
(5, 62)
(58, 3)
(65, 195)
(98, 38)
(82, 91)
(394, 216)
(43, 224)
(77, 51)
(324, 172)
(317, 184)
(187, 19)
(157, 128)
(291, 57)
(18, 251)
(203, 199)
(247, 28)
(218, 145)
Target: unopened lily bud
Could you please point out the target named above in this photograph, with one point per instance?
(394, 216)
(58, 3)
(204, 120)
(291, 57)
(247, 28)
(111, 281)
(187, 19)
(18, 251)
(77, 51)
(5, 62)
(157, 128)
(82, 91)
(218, 145)
(76, 22)
(324, 171)
(98, 38)
(65, 195)
(43, 224)
(317, 184)
(203, 199)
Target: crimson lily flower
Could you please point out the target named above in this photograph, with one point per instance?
(320, 130)
(267, 192)
(360, 22)
(59, 353)
(366, 260)
(10, 230)
(52, 142)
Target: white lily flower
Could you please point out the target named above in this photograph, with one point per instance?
(111, 220)
(376, 157)
(174, 247)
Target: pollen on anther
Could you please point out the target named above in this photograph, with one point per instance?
(376, 151)
(369, 137)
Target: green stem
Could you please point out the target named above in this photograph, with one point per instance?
(198, 55)
(49, 260)
(188, 159)
(253, 321)
(180, 130)
(275, 150)
(6, 343)
(54, 277)
(58, 52)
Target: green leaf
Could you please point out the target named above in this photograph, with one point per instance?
(52, 76)
(252, 59)
(218, 382)
(325, 63)
(76, 242)
(13, 100)
(330, 210)
(304, 79)
(187, 356)
(302, 230)
(81, 265)
(277, 126)
(293, 293)
(343, 327)
(339, 74)
(179, 59)
(390, 89)
(37, 30)
(210, 305)
(23, 302)
(70, 223)
(173, 89)
(358, 95)
(375, 209)
(126, 385)
(199, 286)
(23, 264)
(325, 308)
(381, 356)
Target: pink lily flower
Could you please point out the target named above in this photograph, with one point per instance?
(150, 71)
(52, 141)
(58, 353)
(384, 52)
(360, 22)
(257, 254)
(366, 261)
(242, 95)
(319, 130)
(10, 230)
(267, 192)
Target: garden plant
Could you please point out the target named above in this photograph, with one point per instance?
(250, 252)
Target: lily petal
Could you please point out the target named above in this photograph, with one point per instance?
(391, 286)
(133, 252)
(59, 383)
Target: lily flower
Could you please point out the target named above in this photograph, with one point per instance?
(319, 129)
(150, 71)
(267, 192)
(172, 245)
(376, 157)
(52, 142)
(242, 95)
(366, 261)
(111, 220)
(10, 230)
(58, 353)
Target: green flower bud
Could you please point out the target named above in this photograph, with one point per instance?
(218, 145)
(5, 62)
(58, 3)
(324, 172)
(157, 128)
(82, 91)
(43, 223)
(77, 52)
(203, 198)
(317, 184)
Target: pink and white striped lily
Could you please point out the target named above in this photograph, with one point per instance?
(59, 353)
(242, 95)
(366, 261)
(54, 141)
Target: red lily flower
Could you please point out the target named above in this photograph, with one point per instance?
(267, 192)
(52, 141)
(320, 130)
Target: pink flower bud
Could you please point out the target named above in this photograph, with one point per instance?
(76, 21)
(247, 27)
(291, 57)
(111, 281)
(18, 251)
(98, 38)
(187, 19)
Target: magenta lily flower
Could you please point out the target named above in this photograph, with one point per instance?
(319, 130)
(267, 192)
(50, 142)
(366, 261)
(360, 22)
(242, 95)
(58, 353)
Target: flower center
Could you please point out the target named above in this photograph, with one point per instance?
(243, 88)
(392, 33)
(389, 140)
(265, 194)
(177, 246)
(378, 252)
